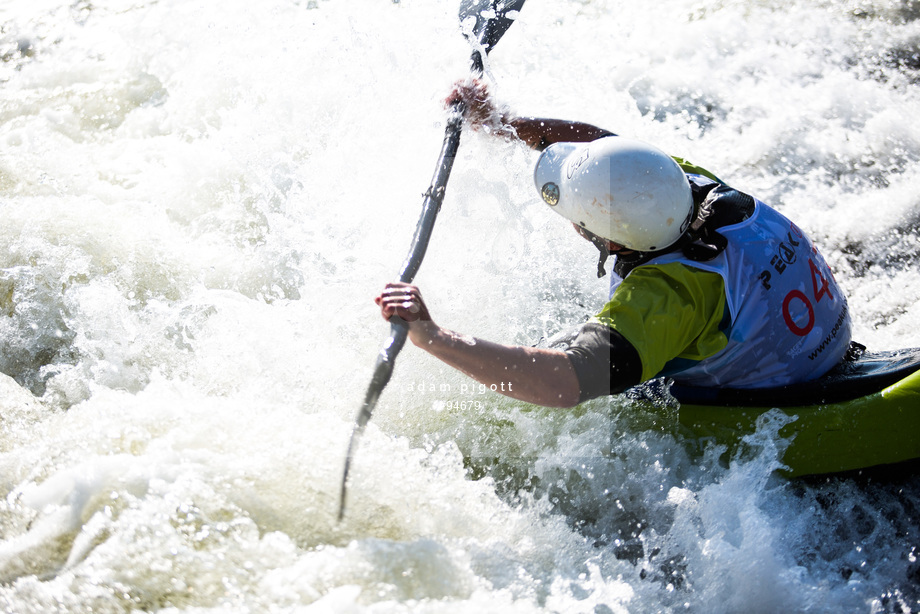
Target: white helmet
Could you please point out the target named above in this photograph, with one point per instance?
(622, 190)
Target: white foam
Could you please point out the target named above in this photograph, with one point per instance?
(199, 202)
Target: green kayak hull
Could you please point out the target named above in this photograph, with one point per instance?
(875, 429)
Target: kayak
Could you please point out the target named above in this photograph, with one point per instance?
(863, 413)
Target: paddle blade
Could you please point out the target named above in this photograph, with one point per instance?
(484, 22)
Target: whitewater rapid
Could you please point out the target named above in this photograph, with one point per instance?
(199, 201)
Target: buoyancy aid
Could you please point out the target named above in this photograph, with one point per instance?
(788, 318)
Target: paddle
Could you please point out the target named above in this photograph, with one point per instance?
(483, 22)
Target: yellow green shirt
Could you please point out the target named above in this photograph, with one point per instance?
(669, 312)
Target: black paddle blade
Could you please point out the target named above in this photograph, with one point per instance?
(484, 22)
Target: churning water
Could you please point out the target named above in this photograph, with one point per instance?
(199, 200)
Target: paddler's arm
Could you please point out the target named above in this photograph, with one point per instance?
(536, 132)
(540, 376)
(540, 132)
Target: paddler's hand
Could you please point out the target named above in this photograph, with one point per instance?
(480, 110)
(405, 301)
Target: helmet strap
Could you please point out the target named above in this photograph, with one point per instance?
(601, 246)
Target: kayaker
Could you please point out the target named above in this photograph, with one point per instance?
(712, 287)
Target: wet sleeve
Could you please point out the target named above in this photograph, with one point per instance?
(604, 361)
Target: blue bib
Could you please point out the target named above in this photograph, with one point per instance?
(789, 318)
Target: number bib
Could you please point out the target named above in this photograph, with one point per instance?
(789, 318)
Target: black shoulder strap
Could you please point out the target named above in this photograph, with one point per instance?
(722, 206)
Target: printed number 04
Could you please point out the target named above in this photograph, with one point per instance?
(819, 288)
